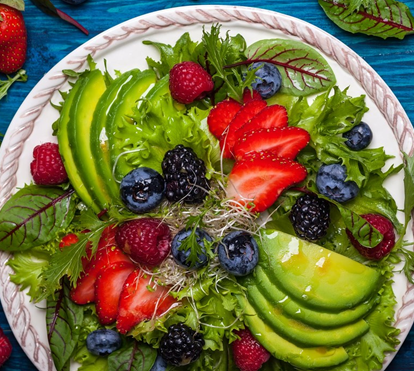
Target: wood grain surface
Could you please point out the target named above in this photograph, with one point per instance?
(51, 39)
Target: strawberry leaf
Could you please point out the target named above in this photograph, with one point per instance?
(381, 18)
(16, 4)
(47, 7)
(304, 71)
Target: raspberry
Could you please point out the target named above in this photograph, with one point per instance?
(5, 348)
(146, 240)
(47, 166)
(385, 227)
(248, 353)
(189, 81)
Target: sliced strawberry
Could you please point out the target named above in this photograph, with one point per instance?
(274, 116)
(221, 115)
(141, 299)
(69, 239)
(249, 95)
(84, 292)
(108, 288)
(245, 114)
(283, 142)
(260, 177)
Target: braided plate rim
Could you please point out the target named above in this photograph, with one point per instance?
(15, 303)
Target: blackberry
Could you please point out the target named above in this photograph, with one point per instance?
(310, 217)
(184, 175)
(181, 345)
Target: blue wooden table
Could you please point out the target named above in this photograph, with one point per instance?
(51, 39)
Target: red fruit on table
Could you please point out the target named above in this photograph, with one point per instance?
(5, 348)
(13, 39)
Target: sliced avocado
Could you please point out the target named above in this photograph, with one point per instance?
(120, 127)
(280, 348)
(298, 332)
(313, 275)
(79, 133)
(65, 145)
(294, 309)
(99, 139)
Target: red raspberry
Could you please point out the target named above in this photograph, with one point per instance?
(47, 167)
(189, 81)
(248, 353)
(5, 348)
(385, 227)
(146, 240)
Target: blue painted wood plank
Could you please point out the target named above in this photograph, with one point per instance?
(51, 39)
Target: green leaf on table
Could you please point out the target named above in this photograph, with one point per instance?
(5, 84)
(381, 18)
(304, 70)
(16, 4)
(63, 318)
(47, 7)
(34, 216)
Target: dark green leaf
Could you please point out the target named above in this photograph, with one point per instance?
(381, 18)
(408, 186)
(133, 357)
(63, 317)
(34, 216)
(304, 71)
(47, 7)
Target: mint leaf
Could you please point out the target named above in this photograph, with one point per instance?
(304, 71)
(381, 18)
(34, 216)
(63, 317)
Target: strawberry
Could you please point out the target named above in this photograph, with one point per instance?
(248, 353)
(274, 116)
(141, 299)
(385, 227)
(283, 142)
(221, 115)
(246, 113)
(13, 39)
(68, 240)
(249, 95)
(5, 348)
(260, 177)
(108, 287)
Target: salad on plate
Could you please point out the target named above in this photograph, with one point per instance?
(222, 209)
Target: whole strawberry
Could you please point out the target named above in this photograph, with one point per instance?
(248, 353)
(146, 240)
(13, 39)
(5, 348)
(47, 165)
(385, 227)
(189, 82)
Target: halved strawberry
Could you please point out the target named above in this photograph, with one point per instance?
(84, 292)
(249, 95)
(141, 299)
(257, 180)
(245, 114)
(283, 142)
(108, 288)
(274, 116)
(221, 115)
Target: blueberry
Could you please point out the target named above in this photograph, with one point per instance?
(269, 79)
(142, 189)
(181, 256)
(238, 253)
(159, 365)
(330, 181)
(103, 342)
(359, 137)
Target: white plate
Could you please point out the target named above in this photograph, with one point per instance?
(122, 47)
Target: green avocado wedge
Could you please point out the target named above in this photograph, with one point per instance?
(294, 309)
(298, 332)
(99, 139)
(280, 348)
(79, 133)
(65, 145)
(313, 275)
